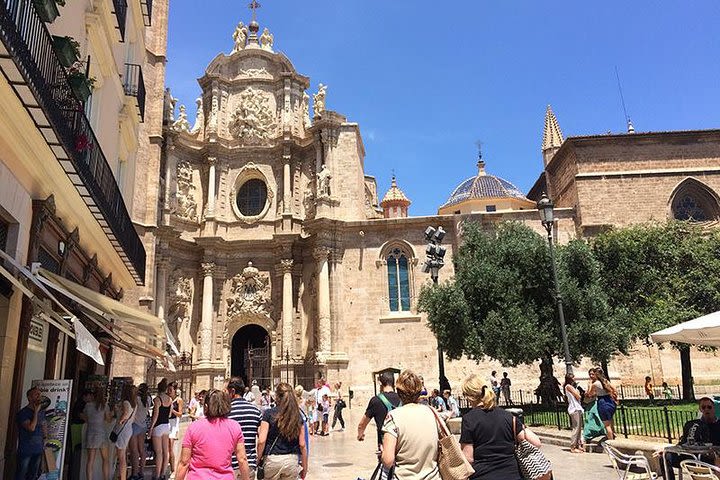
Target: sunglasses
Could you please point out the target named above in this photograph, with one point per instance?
(706, 407)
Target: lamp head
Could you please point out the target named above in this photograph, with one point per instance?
(545, 208)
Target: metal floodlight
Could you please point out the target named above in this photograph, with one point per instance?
(440, 252)
(439, 235)
(426, 266)
(545, 208)
(429, 232)
(430, 250)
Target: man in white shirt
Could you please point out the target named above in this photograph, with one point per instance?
(321, 389)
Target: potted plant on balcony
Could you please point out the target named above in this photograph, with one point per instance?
(67, 50)
(47, 10)
(79, 82)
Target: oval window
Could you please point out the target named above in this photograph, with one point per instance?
(251, 197)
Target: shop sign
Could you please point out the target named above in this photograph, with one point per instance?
(37, 329)
(55, 401)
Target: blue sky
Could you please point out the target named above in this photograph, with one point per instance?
(427, 79)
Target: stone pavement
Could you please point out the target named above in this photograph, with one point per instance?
(340, 456)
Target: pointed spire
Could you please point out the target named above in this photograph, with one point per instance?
(480, 162)
(552, 135)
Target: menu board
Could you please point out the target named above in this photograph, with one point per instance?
(55, 401)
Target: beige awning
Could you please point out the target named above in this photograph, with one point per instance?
(130, 329)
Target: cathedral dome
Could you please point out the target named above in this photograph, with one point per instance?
(484, 188)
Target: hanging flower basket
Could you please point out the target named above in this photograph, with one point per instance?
(80, 85)
(67, 50)
(82, 143)
(47, 10)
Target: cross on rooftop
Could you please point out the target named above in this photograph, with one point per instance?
(254, 5)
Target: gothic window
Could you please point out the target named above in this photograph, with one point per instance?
(251, 197)
(694, 202)
(398, 280)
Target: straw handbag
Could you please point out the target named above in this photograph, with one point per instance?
(451, 461)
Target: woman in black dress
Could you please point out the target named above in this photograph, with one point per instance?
(487, 437)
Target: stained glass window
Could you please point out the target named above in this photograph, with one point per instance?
(398, 281)
(687, 207)
(251, 197)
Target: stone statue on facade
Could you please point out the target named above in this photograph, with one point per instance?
(323, 179)
(186, 204)
(213, 121)
(168, 107)
(319, 100)
(199, 117)
(181, 305)
(254, 119)
(266, 40)
(250, 293)
(309, 203)
(240, 37)
(181, 124)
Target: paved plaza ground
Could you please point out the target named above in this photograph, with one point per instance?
(341, 457)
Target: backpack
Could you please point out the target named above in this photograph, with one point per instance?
(386, 402)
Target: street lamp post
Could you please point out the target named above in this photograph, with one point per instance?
(287, 365)
(434, 262)
(545, 207)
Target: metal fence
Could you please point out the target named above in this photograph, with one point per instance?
(658, 422)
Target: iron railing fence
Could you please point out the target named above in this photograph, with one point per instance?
(29, 44)
(134, 86)
(657, 422)
(120, 11)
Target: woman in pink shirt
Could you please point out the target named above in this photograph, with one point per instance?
(210, 442)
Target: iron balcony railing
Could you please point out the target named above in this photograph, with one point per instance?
(146, 6)
(134, 86)
(120, 11)
(28, 43)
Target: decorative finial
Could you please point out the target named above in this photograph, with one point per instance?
(631, 128)
(254, 5)
(480, 162)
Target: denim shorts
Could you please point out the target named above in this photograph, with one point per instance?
(139, 429)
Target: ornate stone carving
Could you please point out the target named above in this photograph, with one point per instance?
(306, 110)
(286, 265)
(323, 181)
(255, 72)
(199, 117)
(214, 106)
(254, 120)
(180, 304)
(240, 36)
(186, 203)
(250, 293)
(181, 124)
(319, 100)
(208, 268)
(266, 40)
(169, 107)
(309, 203)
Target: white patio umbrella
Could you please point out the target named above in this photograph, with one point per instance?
(703, 330)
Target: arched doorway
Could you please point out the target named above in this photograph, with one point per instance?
(251, 355)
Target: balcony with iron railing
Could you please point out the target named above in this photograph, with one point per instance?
(134, 86)
(41, 83)
(146, 6)
(120, 10)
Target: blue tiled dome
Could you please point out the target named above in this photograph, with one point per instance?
(483, 186)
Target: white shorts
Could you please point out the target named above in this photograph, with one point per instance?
(160, 430)
(174, 428)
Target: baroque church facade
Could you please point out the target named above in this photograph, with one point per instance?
(273, 257)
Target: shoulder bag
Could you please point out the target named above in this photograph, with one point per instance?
(533, 464)
(260, 471)
(115, 433)
(451, 460)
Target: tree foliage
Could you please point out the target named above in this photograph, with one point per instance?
(501, 303)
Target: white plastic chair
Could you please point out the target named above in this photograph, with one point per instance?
(622, 464)
(697, 470)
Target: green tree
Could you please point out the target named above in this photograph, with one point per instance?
(659, 275)
(501, 302)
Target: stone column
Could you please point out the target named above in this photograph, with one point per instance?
(161, 288)
(286, 266)
(206, 320)
(324, 327)
(287, 192)
(210, 209)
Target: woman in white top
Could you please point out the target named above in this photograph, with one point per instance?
(97, 415)
(575, 410)
(410, 440)
(139, 430)
(125, 412)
